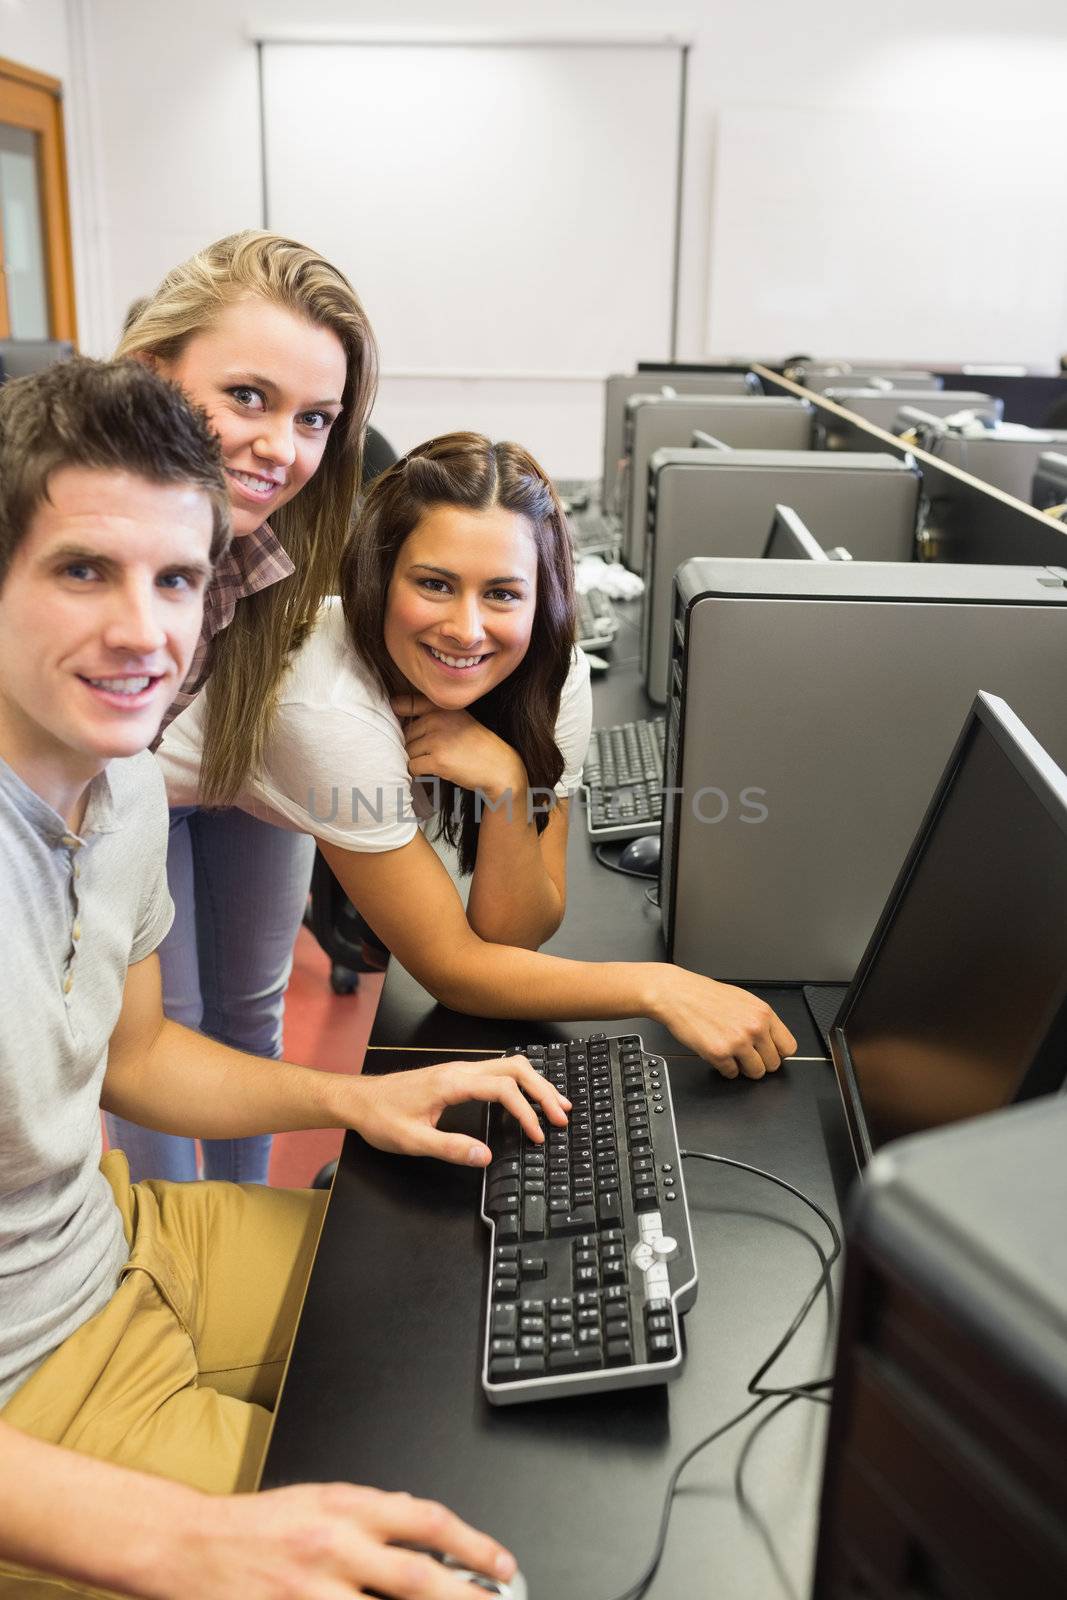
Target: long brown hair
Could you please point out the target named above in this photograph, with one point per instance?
(465, 469)
(248, 658)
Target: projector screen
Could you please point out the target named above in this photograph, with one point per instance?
(505, 211)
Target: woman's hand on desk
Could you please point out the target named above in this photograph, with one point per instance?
(734, 1030)
(399, 1111)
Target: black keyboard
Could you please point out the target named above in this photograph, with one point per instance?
(591, 1253)
(576, 494)
(597, 622)
(623, 779)
(592, 534)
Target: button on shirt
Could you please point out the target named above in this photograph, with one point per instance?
(77, 910)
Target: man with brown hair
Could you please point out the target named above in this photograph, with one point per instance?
(145, 1327)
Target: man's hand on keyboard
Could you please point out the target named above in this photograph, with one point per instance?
(737, 1032)
(400, 1110)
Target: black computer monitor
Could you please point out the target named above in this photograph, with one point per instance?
(959, 1005)
(790, 539)
(21, 357)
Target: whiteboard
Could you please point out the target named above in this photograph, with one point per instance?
(504, 210)
(928, 234)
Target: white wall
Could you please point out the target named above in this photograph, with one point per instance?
(34, 34)
(173, 100)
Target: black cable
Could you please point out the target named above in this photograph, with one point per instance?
(808, 1390)
(760, 1396)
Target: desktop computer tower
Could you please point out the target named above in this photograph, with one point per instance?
(620, 386)
(752, 422)
(944, 1475)
(820, 378)
(1006, 457)
(719, 503)
(812, 708)
(880, 406)
(1050, 481)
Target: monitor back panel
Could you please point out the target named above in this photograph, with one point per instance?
(621, 385)
(22, 357)
(1050, 480)
(813, 708)
(819, 382)
(1006, 463)
(708, 503)
(880, 406)
(756, 422)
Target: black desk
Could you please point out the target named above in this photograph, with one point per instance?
(383, 1386)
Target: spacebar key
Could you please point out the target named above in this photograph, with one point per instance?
(580, 1220)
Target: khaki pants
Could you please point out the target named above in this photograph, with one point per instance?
(179, 1372)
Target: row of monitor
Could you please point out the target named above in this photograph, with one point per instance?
(813, 832)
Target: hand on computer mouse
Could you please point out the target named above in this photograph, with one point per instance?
(736, 1031)
(325, 1539)
(477, 1583)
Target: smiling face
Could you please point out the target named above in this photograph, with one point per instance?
(461, 602)
(100, 612)
(271, 383)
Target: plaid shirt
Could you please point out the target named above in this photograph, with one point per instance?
(253, 562)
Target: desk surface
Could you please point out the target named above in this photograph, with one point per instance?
(383, 1385)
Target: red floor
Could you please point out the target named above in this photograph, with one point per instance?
(321, 1030)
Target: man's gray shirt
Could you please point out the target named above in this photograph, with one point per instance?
(76, 910)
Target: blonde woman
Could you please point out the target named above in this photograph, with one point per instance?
(272, 342)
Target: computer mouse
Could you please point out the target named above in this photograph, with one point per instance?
(641, 855)
(481, 1582)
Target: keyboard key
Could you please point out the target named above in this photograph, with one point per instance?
(533, 1216)
(577, 1221)
(511, 1367)
(573, 1360)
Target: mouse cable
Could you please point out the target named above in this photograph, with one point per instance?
(760, 1395)
(813, 1387)
(626, 872)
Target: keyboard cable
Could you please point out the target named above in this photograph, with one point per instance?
(786, 1394)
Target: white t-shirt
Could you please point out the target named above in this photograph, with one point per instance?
(335, 764)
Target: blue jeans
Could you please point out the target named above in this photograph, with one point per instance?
(240, 889)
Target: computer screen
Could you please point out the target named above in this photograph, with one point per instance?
(790, 540)
(24, 356)
(958, 1006)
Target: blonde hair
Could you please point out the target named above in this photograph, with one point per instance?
(249, 657)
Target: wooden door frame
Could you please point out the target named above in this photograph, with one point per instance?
(34, 101)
